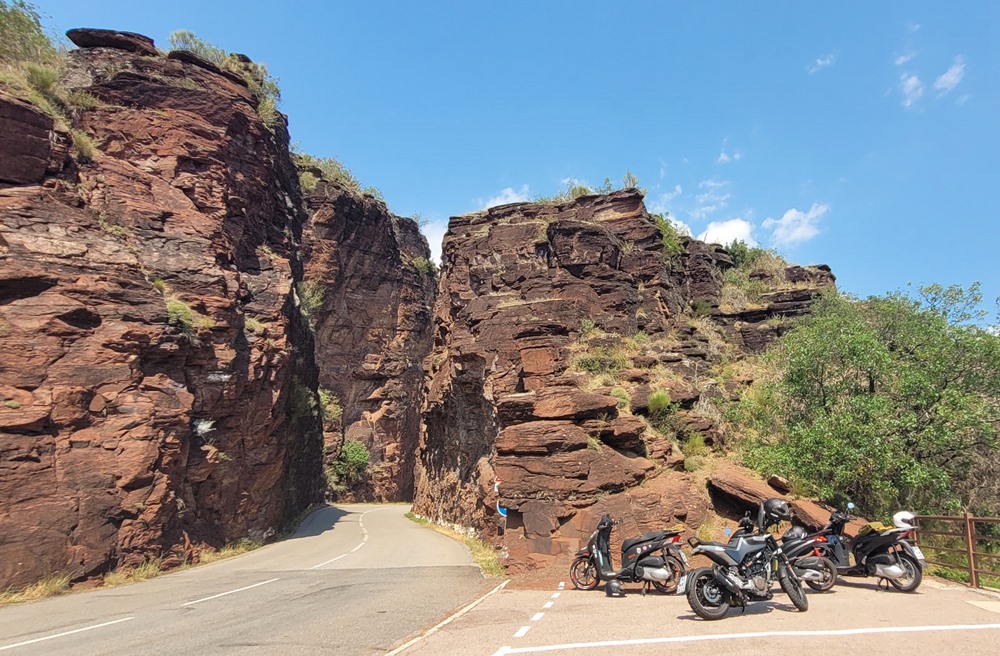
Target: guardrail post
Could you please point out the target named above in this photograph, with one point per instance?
(970, 548)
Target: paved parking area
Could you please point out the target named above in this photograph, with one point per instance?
(854, 615)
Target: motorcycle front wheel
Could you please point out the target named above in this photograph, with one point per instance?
(677, 572)
(707, 598)
(829, 571)
(792, 587)
(912, 574)
(583, 574)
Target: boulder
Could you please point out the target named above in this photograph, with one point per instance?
(87, 37)
(24, 141)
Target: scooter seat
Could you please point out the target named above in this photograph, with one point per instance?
(648, 537)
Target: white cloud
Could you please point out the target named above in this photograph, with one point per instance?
(659, 204)
(726, 232)
(725, 158)
(905, 57)
(712, 199)
(964, 98)
(796, 226)
(912, 89)
(434, 231)
(950, 78)
(508, 195)
(823, 62)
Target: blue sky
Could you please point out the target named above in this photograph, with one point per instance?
(863, 135)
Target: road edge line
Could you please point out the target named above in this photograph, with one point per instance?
(449, 619)
(65, 633)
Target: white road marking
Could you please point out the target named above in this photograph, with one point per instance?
(455, 616)
(548, 604)
(562, 584)
(555, 595)
(65, 633)
(537, 616)
(992, 606)
(364, 538)
(521, 632)
(503, 651)
(223, 594)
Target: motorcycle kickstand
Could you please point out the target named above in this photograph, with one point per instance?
(645, 586)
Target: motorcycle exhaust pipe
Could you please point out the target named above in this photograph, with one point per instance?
(889, 571)
(727, 582)
(655, 574)
(808, 574)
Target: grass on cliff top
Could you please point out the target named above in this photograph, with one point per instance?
(484, 555)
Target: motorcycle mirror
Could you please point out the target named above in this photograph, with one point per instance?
(851, 506)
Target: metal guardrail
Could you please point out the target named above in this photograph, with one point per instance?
(962, 530)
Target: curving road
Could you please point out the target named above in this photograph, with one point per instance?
(354, 579)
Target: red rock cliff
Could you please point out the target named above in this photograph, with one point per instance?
(373, 330)
(157, 384)
(554, 325)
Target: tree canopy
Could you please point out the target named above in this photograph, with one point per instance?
(891, 402)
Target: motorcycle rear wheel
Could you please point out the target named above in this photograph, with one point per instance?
(676, 574)
(707, 598)
(829, 576)
(792, 587)
(583, 574)
(914, 574)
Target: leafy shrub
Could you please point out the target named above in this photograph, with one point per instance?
(311, 296)
(694, 463)
(22, 38)
(670, 237)
(331, 169)
(593, 443)
(252, 325)
(659, 404)
(41, 77)
(159, 285)
(695, 445)
(352, 463)
(13, 404)
(425, 267)
(329, 405)
(587, 327)
(888, 402)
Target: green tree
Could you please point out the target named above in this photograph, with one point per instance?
(22, 38)
(890, 402)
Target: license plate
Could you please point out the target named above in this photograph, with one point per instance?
(682, 585)
(918, 553)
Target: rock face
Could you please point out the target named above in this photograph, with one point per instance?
(158, 384)
(570, 360)
(373, 329)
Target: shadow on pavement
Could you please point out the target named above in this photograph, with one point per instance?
(319, 522)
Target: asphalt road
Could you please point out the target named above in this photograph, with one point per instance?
(356, 579)
(853, 618)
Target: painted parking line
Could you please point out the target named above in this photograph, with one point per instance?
(520, 633)
(548, 604)
(223, 594)
(555, 595)
(537, 616)
(65, 633)
(503, 651)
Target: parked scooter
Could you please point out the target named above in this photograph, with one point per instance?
(653, 559)
(744, 569)
(877, 550)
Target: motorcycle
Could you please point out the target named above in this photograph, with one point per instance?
(744, 568)
(652, 559)
(877, 550)
(802, 549)
(818, 572)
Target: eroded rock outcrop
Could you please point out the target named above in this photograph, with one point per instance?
(573, 356)
(373, 272)
(156, 375)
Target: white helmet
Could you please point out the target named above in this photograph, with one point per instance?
(903, 519)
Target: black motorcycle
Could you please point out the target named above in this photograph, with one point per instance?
(877, 550)
(744, 569)
(652, 559)
(803, 551)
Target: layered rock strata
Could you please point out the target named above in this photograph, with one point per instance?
(373, 274)
(559, 331)
(157, 383)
